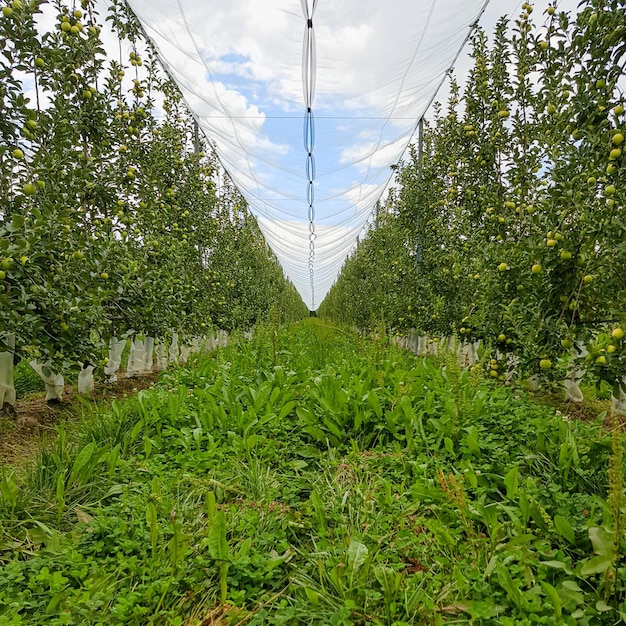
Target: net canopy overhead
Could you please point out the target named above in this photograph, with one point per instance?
(308, 105)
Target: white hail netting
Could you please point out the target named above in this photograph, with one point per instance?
(368, 69)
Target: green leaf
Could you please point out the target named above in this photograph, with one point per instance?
(211, 505)
(8, 489)
(602, 540)
(305, 415)
(510, 586)
(511, 482)
(374, 402)
(557, 565)
(357, 555)
(218, 544)
(552, 593)
(472, 441)
(317, 433)
(564, 528)
(287, 408)
(60, 490)
(312, 596)
(82, 460)
(114, 490)
(596, 565)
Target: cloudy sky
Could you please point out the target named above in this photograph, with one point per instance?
(378, 66)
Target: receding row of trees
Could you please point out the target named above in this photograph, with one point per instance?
(116, 219)
(511, 228)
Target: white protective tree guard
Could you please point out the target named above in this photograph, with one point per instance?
(174, 350)
(7, 388)
(451, 344)
(116, 347)
(575, 374)
(85, 379)
(473, 355)
(148, 361)
(185, 350)
(422, 345)
(136, 359)
(618, 405)
(54, 382)
(161, 357)
(202, 344)
(512, 363)
(213, 342)
(463, 354)
(195, 345)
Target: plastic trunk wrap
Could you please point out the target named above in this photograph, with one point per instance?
(196, 342)
(85, 379)
(212, 342)
(116, 348)
(136, 359)
(618, 404)
(161, 357)
(7, 388)
(54, 382)
(575, 374)
(422, 345)
(174, 350)
(512, 363)
(464, 354)
(185, 350)
(148, 360)
(473, 353)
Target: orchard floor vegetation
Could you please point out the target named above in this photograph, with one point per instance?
(310, 476)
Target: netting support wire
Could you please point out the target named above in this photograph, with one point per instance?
(308, 89)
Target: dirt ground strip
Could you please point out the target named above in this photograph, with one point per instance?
(34, 421)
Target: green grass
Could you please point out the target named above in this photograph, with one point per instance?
(311, 477)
